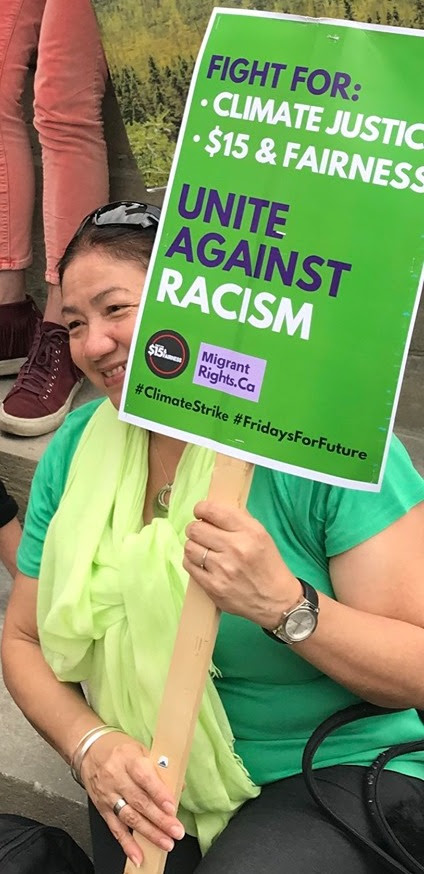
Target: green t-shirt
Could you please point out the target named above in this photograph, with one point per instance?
(273, 698)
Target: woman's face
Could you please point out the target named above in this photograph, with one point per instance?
(100, 297)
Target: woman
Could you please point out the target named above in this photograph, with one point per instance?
(69, 85)
(111, 585)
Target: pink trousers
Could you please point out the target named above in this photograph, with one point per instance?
(69, 86)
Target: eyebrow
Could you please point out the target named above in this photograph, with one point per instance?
(70, 310)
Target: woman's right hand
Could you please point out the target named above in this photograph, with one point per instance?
(117, 766)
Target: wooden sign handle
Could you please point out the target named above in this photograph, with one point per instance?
(190, 664)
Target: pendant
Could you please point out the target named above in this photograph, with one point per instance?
(161, 501)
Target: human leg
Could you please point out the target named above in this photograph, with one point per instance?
(69, 86)
(12, 286)
(20, 22)
(284, 832)
(19, 30)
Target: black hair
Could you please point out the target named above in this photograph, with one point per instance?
(131, 243)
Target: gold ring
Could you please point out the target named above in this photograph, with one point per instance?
(204, 557)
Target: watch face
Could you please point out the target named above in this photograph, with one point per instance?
(300, 624)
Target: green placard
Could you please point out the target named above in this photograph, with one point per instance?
(280, 302)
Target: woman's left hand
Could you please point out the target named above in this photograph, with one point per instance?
(234, 559)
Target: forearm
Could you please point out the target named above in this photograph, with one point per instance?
(58, 711)
(376, 658)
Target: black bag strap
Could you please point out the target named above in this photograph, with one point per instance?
(401, 860)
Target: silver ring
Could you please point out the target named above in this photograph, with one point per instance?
(204, 557)
(119, 805)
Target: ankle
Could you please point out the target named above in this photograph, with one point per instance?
(53, 308)
(12, 286)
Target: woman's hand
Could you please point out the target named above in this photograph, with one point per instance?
(242, 571)
(117, 766)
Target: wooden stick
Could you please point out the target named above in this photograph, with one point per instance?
(190, 664)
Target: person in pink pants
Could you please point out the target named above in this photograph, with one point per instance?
(69, 85)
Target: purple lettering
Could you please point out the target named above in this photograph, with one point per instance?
(240, 258)
(339, 267)
(218, 254)
(275, 219)
(258, 204)
(181, 245)
(182, 203)
(275, 260)
(313, 274)
(341, 82)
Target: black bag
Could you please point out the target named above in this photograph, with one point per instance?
(397, 859)
(28, 847)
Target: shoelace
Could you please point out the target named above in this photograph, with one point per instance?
(38, 369)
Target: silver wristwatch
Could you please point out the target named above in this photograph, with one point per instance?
(300, 621)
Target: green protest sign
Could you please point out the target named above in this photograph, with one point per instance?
(280, 302)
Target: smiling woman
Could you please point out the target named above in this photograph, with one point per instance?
(116, 522)
(99, 308)
(101, 320)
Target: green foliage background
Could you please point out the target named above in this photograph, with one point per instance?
(151, 47)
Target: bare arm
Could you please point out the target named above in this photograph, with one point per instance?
(116, 765)
(370, 640)
(57, 710)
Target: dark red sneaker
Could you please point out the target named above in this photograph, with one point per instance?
(46, 385)
(18, 322)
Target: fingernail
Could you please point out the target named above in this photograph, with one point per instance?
(168, 807)
(177, 832)
(136, 862)
(167, 844)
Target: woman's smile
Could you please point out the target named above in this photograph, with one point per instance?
(114, 375)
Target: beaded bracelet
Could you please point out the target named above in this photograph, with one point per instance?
(87, 740)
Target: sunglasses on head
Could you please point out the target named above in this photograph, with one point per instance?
(122, 214)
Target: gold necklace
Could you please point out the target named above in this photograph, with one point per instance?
(161, 500)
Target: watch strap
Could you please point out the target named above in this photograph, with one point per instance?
(310, 593)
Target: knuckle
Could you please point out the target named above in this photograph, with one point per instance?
(152, 784)
(201, 508)
(239, 547)
(145, 776)
(188, 548)
(219, 583)
(146, 807)
(228, 568)
(194, 530)
(132, 818)
(216, 588)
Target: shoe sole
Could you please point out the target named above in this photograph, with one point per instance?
(42, 425)
(11, 366)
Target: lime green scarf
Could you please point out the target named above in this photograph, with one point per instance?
(110, 597)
